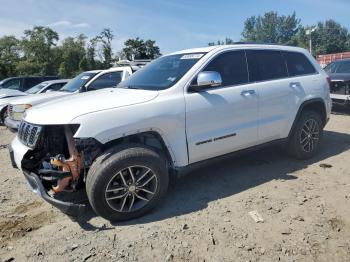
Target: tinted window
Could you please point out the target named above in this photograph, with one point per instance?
(298, 64)
(77, 82)
(266, 65)
(54, 87)
(12, 84)
(338, 67)
(232, 67)
(30, 82)
(107, 80)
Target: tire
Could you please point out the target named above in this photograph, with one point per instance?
(3, 115)
(306, 136)
(115, 179)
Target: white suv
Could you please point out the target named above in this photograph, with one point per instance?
(176, 113)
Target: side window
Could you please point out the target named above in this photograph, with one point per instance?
(266, 65)
(13, 84)
(107, 80)
(30, 82)
(232, 67)
(298, 64)
(54, 87)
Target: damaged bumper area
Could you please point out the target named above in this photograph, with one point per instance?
(51, 162)
(37, 186)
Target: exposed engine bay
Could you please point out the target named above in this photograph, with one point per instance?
(58, 159)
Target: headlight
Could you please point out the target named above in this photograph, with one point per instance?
(18, 111)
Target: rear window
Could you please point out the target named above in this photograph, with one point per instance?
(266, 65)
(298, 64)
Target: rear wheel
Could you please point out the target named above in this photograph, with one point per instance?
(128, 183)
(306, 136)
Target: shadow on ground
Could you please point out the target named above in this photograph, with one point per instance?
(194, 191)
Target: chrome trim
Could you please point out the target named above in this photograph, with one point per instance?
(29, 134)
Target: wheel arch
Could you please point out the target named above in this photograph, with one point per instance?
(150, 138)
(314, 104)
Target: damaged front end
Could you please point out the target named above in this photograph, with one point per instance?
(55, 163)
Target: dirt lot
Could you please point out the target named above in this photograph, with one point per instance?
(304, 204)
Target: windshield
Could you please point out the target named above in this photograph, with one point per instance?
(162, 73)
(36, 89)
(77, 82)
(341, 67)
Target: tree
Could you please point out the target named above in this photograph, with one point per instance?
(139, 49)
(73, 56)
(227, 41)
(330, 37)
(9, 56)
(37, 45)
(106, 38)
(271, 28)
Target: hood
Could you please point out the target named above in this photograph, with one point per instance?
(339, 77)
(64, 110)
(39, 98)
(5, 92)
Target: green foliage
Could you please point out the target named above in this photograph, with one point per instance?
(271, 28)
(9, 55)
(36, 46)
(227, 41)
(105, 39)
(330, 37)
(139, 49)
(73, 53)
(38, 53)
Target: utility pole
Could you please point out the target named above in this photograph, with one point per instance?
(309, 32)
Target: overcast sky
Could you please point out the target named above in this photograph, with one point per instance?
(173, 24)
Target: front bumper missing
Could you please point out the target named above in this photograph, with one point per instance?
(36, 185)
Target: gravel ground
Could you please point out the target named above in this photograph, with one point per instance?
(205, 217)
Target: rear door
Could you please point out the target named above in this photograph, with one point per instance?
(223, 119)
(268, 72)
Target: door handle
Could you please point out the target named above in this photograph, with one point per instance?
(248, 92)
(294, 84)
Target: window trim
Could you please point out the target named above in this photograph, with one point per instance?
(249, 81)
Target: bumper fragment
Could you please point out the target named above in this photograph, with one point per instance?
(12, 124)
(68, 208)
(12, 157)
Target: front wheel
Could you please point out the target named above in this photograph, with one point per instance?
(306, 136)
(126, 183)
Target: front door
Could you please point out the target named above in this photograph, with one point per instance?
(222, 119)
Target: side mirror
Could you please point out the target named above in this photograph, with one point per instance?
(207, 79)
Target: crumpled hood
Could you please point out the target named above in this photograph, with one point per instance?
(39, 98)
(5, 92)
(64, 110)
(340, 77)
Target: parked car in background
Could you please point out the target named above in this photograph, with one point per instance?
(339, 73)
(43, 87)
(15, 86)
(86, 81)
(182, 110)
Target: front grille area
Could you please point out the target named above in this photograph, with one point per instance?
(340, 87)
(29, 134)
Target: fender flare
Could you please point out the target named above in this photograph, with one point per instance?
(301, 108)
